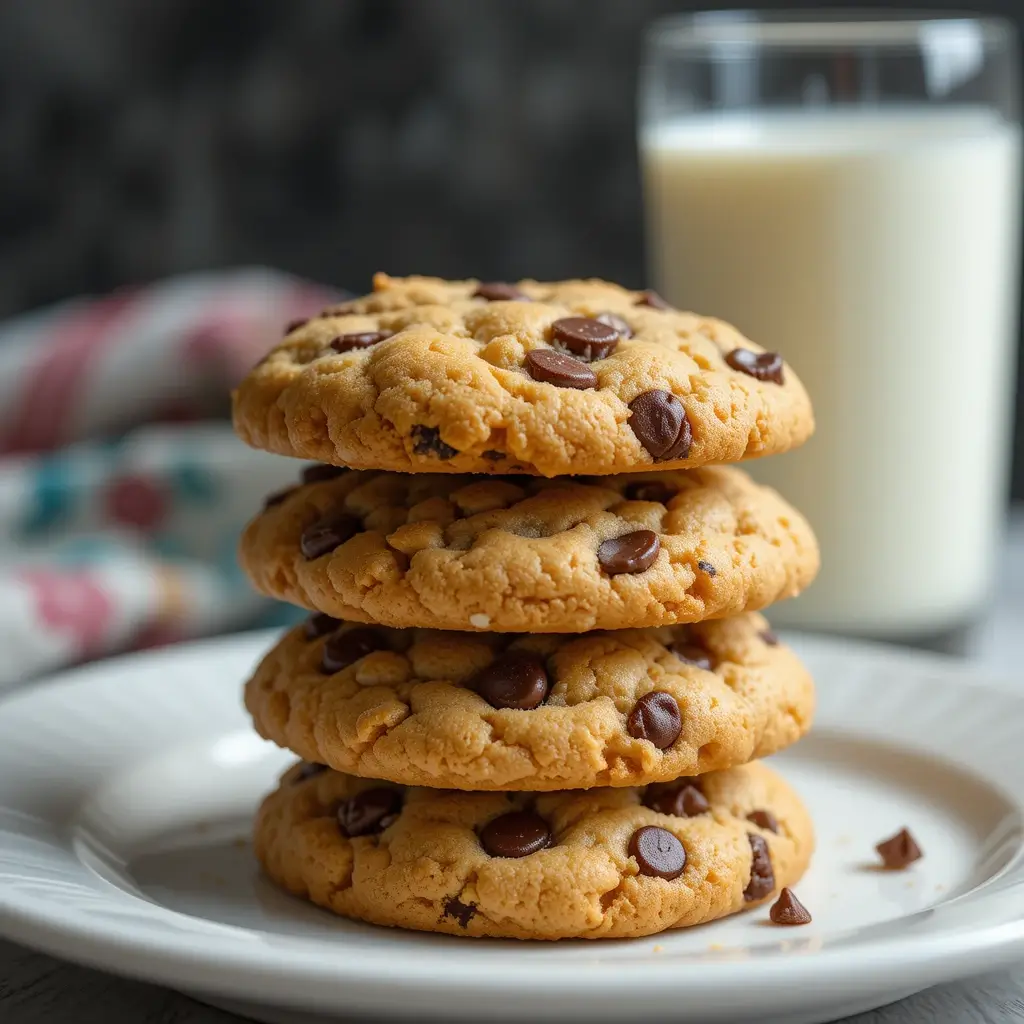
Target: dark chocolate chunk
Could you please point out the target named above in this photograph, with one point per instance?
(653, 299)
(900, 851)
(683, 799)
(372, 810)
(586, 337)
(762, 875)
(761, 365)
(517, 679)
(427, 441)
(659, 422)
(327, 533)
(358, 340)
(765, 820)
(630, 553)
(348, 647)
(462, 912)
(655, 717)
(499, 291)
(787, 909)
(517, 834)
(559, 369)
(658, 852)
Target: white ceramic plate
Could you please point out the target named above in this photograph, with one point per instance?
(127, 788)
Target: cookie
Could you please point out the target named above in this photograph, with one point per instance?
(425, 375)
(602, 863)
(491, 711)
(523, 554)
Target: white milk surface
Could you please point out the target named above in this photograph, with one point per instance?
(877, 252)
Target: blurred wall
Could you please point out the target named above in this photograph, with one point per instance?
(328, 137)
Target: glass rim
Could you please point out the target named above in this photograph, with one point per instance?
(823, 27)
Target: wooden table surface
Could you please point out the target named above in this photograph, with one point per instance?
(37, 989)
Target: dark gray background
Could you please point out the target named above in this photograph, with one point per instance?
(332, 138)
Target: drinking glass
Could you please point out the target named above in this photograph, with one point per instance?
(846, 191)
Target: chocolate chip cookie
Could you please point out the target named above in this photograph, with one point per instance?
(523, 554)
(490, 711)
(605, 863)
(425, 375)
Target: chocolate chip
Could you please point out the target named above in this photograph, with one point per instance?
(294, 325)
(586, 337)
(499, 291)
(517, 834)
(359, 339)
(659, 421)
(309, 770)
(277, 498)
(900, 851)
(787, 909)
(493, 454)
(427, 441)
(656, 717)
(346, 648)
(650, 491)
(765, 820)
(327, 533)
(632, 552)
(319, 625)
(372, 810)
(551, 367)
(762, 877)
(316, 474)
(461, 912)
(706, 567)
(653, 299)
(657, 852)
(616, 321)
(693, 655)
(769, 637)
(518, 679)
(762, 365)
(684, 800)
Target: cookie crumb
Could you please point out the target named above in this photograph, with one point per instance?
(899, 851)
(659, 949)
(788, 910)
(480, 621)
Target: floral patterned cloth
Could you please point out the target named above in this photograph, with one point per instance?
(122, 487)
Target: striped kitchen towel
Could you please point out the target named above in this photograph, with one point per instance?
(122, 487)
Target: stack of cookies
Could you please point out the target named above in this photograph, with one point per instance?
(535, 686)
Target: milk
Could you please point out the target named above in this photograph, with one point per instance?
(878, 253)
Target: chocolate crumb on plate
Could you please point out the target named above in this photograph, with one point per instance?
(788, 910)
(899, 851)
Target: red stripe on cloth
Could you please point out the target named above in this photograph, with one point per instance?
(73, 603)
(46, 402)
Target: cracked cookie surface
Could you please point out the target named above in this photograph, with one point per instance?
(476, 711)
(604, 863)
(425, 375)
(516, 554)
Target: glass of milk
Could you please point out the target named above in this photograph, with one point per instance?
(847, 192)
